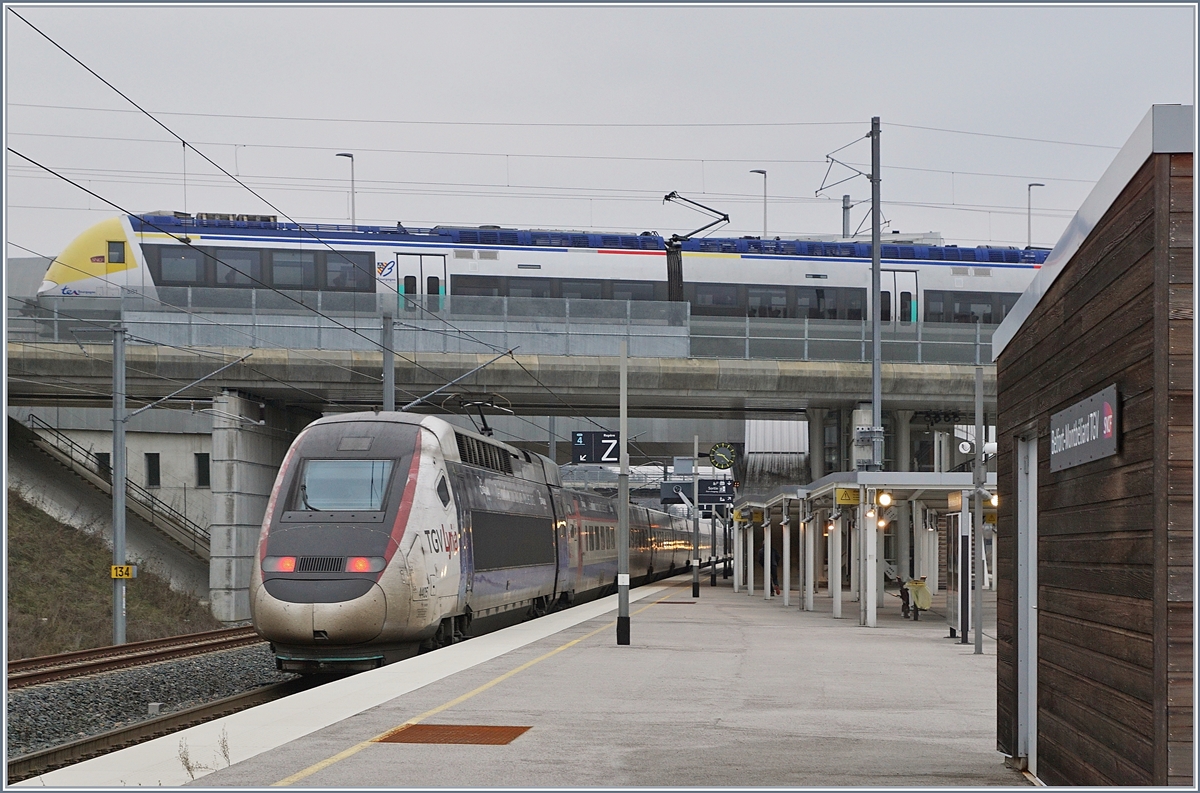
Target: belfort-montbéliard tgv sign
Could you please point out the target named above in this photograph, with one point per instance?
(1086, 431)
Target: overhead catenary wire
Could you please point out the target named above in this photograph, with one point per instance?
(584, 125)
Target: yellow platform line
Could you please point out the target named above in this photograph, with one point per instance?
(353, 750)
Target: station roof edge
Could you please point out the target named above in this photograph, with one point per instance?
(1164, 129)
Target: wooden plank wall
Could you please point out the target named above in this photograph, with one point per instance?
(1096, 572)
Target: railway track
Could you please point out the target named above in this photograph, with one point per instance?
(48, 668)
(46, 760)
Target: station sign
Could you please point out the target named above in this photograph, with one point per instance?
(845, 496)
(1086, 431)
(595, 447)
(712, 491)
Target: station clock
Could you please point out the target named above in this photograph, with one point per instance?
(722, 455)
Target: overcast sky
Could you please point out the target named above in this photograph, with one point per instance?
(583, 118)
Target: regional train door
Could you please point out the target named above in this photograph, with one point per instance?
(898, 300)
(421, 281)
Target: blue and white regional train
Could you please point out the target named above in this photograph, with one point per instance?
(721, 276)
(388, 531)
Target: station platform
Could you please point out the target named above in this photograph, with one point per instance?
(725, 690)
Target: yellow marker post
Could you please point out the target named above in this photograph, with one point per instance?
(124, 571)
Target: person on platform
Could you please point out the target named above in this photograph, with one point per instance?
(775, 561)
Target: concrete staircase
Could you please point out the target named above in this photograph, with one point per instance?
(173, 525)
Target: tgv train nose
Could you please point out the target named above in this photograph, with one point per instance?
(347, 622)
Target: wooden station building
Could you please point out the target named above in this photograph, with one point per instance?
(1095, 470)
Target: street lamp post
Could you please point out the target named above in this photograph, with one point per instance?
(353, 217)
(764, 176)
(1029, 211)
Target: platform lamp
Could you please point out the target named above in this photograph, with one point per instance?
(1029, 211)
(353, 217)
(764, 176)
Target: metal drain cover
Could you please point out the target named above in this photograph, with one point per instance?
(454, 733)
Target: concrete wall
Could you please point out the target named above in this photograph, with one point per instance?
(245, 460)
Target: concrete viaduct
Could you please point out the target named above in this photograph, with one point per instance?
(64, 373)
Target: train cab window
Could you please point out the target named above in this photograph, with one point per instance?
(116, 253)
(341, 485)
(885, 306)
(238, 268)
(433, 285)
(529, 287)
(353, 272)
(294, 269)
(443, 492)
(633, 290)
(906, 307)
(181, 267)
(582, 290)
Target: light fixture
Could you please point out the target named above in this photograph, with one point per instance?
(882, 523)
(885, 499)
(871, 512)
(995, 500)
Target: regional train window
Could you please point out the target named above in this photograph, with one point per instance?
(476, 285)
(294, 269)
(239, 268)
(582, 290)
(410, 284)
(906, 307)
(529, 287)
(885, 306)
(764, 302)
(116, 253)
(433, 285)
(854, 303)
(350, 271)
(633, 290)
(339, 485)
(181, 267)
(723, 295)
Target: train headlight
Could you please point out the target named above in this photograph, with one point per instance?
(364, 564)
(279, 564)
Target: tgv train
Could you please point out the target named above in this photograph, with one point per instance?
(722, 276)
(388, 531)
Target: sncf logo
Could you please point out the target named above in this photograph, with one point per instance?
(1108, 421)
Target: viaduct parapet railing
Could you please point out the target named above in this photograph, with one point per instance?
(256, 318)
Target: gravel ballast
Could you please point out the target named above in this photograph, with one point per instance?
(40, 717)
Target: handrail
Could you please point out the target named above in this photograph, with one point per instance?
(88, 459)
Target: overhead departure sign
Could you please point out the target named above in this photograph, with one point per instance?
(712, 491)
(1086, 431)
(596, 447)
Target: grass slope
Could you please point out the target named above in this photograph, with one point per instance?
(60, 593)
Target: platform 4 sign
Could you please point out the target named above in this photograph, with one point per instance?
(595, 447)
(1086, 431)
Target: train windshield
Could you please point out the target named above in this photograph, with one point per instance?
(338, 485)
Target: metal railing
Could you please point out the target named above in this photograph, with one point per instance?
(153, 509)
(256, 318)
